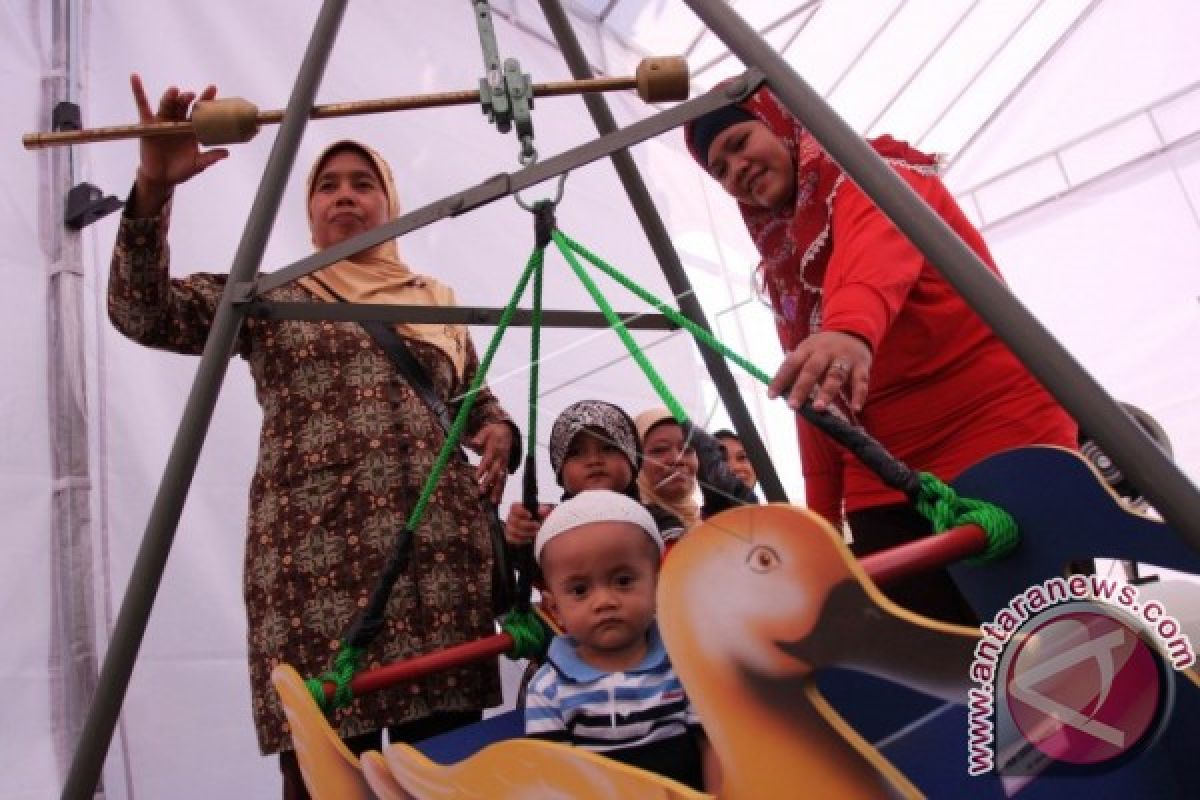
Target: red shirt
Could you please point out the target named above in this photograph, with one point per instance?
(945, 391)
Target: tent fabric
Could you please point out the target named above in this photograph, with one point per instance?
(1109, 266)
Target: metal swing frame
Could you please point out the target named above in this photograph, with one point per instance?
(1145, 464)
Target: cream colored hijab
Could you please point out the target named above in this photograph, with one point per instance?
(687, 509)
(378, 275)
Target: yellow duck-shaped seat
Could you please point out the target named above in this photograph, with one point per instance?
(751, 604)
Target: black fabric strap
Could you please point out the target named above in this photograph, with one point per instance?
(387, 338)
(412, 371)
(503, 580)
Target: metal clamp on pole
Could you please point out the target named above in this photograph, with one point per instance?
(492, 93)
(520, 99)
(505, 92)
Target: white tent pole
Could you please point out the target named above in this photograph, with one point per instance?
(156, 543)
(1016, 90)
(73, 635)
(912, 76)
(966, 87)
(770, 27)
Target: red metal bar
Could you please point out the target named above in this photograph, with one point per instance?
(923, 555)
(884, 567)
(413, 668)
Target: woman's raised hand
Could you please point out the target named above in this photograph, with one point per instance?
(824, 366)
(167, 161)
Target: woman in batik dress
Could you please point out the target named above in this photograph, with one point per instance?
(344, 450)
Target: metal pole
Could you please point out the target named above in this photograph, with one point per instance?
(73, 658)
(505, 184)
(1146, 466)
(453, 315)
(668, 259)
(185, 452)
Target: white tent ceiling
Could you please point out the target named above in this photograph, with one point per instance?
(1069, 126)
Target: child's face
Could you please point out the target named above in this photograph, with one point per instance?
(594, 462)
(600, 583)
(670, 463)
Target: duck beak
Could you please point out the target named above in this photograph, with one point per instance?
(861, 629)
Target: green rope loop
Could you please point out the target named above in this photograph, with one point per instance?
(528, 633)
(660, 386)
(535, 342)
(450, 445)
(345, 665)
(942, 506)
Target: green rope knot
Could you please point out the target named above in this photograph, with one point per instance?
(345, 665)
(528, 633)
(942, 506)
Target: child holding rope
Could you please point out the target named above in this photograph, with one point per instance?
(595, 445)
(608, 685)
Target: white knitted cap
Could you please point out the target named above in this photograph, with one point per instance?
(595, 505)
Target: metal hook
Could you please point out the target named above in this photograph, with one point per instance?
(558, 195)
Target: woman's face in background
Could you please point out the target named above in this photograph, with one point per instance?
(670, 464)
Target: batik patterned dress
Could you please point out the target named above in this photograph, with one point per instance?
(344, 450)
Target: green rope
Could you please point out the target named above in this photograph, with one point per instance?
(937, 501)
(660, 386)
(346, 662)
(942, 506)
(348, 658)
(528, 633)
(535, 356)
(464, 411)
(699, 333)
(345, 665)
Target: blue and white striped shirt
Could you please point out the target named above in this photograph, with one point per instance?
(641, 716)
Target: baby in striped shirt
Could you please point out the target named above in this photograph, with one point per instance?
(607, 684)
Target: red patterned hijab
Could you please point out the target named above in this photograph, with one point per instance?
(794, 241)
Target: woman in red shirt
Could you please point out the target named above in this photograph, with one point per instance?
(870, 326)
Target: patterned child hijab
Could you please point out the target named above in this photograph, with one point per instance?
(794, 241)
(378, 275)
(594, 415)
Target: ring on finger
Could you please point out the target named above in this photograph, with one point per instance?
(838, 366)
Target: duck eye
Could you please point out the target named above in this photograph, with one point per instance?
(763, 558)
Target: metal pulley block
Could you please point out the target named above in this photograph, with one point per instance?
(493, 92)
(520, 97)
(493, 96)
